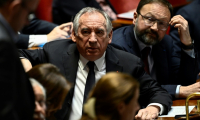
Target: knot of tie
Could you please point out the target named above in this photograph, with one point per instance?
(145, 52)
(90, 64)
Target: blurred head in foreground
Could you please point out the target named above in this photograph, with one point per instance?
(55, 84)
(40, 99)
(115, 97)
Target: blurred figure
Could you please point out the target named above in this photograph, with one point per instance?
(65, 10)
(55, 84)
(40, 98)
(17, 101)
(118, 100)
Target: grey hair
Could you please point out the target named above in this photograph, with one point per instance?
(91, 10)
(36, 83)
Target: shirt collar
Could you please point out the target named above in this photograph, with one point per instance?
(99, 62)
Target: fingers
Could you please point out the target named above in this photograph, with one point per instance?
(69, 24)
(179, 22)
(183, 29)
(145, 114)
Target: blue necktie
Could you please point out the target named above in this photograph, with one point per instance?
(90, 80)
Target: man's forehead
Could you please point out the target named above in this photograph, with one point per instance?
(157, 10)
(92, 20)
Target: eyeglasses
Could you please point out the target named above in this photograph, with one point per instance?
(149, 21)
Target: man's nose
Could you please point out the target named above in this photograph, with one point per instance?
(93, 37)
(37, 107)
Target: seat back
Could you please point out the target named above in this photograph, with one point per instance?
(44, 10)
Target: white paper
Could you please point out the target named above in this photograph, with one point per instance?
(177, 110)
(127, 15)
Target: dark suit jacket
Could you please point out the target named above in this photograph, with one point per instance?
(65, 10)
(191, 13)
(66, 57)
(17, 99)
(171, 69)
(36, 26)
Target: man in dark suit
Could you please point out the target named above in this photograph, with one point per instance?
(191, 13)
(90, 38)
(17, 98)
(170, 69)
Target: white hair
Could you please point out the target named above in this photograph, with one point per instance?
(36, 83)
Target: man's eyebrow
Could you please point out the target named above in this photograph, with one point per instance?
(100, 29)
(153, 16)
(84, 28)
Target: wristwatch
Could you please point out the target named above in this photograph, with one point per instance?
(188, 47)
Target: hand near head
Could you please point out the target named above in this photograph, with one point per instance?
(187, 90)
(183, 29)
(148, 113)
(60, 32)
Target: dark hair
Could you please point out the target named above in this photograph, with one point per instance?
(164, 2)
(112, 89)
(2, 2)
(54, 82)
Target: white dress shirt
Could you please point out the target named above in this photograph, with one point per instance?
(82, 73)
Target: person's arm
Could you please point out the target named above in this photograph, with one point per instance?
(31, 58)
(184, 50)
(150, 89)
(60, 32)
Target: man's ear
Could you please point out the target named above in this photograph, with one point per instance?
(73, 36)
(110, 36)
(121, 108)
(13, 7)
(135, 15)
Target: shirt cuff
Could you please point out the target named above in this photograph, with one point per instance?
(190, 52)
(36, 40)
(160, 106)
(177, 91)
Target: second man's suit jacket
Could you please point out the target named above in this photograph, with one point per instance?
(171, 69)
(17, 98)
(64, 54)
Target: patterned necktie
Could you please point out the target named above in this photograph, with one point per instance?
(145, 53)
(90, 80)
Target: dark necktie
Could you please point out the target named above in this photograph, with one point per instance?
(145, 53)
(90, 80)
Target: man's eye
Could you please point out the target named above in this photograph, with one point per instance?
(161, 23)
(85, 32)
(41, 102)
(150, 19)
(100, 32)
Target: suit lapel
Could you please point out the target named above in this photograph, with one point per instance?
(112, 62)
(131, 41)
(70, 62)
(160, 61)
